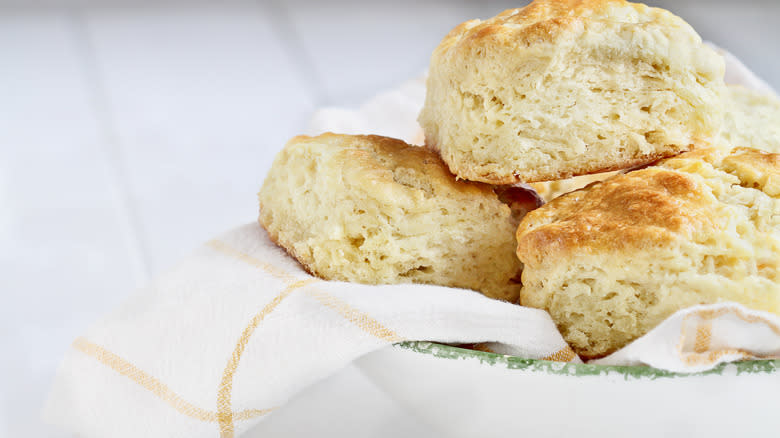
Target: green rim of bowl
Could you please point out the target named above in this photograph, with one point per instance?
(571, 369)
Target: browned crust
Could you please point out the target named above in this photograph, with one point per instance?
(539, 22)
(639, 210)
(472, 174)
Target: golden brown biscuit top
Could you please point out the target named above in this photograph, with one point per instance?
(678, 198)
(641, 209)
(546, 20)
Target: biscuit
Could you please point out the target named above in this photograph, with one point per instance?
(376, 210)
(611, 261)
(569, 87)
(751, 119)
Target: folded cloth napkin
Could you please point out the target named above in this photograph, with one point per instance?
(700, 337)
(239, 327)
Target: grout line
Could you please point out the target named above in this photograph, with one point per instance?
(108, 138)
(299, 57)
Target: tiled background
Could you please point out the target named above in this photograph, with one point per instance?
(130, 132)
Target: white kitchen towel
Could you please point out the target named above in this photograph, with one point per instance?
(700, 337)
(239, 327)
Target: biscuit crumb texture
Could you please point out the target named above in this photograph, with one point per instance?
(613, 260)
(561, 88)
(375, 210)
(750, 118)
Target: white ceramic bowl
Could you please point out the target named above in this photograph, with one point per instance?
(468, 393)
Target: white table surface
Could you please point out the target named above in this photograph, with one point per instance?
(130, 132)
